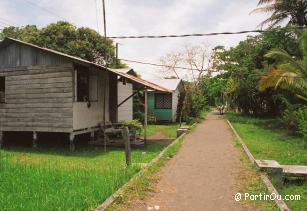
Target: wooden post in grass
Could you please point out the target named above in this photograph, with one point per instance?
(71, 142)
(1, 139)
(34, 143)
(127, 145)
(145, 116)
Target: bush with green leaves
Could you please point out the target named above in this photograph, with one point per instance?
(133, 125)
(194, 103)
(295, 119)
(302, 122)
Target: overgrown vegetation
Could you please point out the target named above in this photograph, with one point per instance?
(267, 142)
(263, 76)
(134, 125)
(194, 103)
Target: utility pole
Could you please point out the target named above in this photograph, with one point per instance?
(116, 51)
(104, 20)
(116, 54)
(105, 57)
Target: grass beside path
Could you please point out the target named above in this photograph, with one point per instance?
(168, 130)
(48, 179)
(267, 142)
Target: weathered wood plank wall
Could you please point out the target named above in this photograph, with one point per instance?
(37, 99)
(18, 55)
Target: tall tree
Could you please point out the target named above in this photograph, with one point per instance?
(62, 36)
(281, 10)
(196, 58)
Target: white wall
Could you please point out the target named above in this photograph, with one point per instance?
(125, 111)
(84, 117)
(175, 99)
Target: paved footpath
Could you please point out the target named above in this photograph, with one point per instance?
(202, 176)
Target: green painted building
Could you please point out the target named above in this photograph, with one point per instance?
(163, 106)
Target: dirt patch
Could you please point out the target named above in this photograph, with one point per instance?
(158, 136)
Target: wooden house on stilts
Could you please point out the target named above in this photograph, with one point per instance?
(42, 90)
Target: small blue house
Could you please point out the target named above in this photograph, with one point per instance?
(162, 105)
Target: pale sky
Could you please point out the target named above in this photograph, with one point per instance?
(140, 17)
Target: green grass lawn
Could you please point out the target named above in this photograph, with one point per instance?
(168, 130)
(56, 179)
(267, 142)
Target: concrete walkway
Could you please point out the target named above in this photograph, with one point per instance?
(202, 176)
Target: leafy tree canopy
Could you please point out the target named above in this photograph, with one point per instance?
(62, 36)
(246, 63)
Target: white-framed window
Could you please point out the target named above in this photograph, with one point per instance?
(163, 101)
(86, 84)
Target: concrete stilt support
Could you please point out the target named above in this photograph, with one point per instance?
(92, 138)
(1, 139)
(34, 143)
(72, 142)
(278, 175)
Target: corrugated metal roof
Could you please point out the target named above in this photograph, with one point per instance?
(127, 70)
(124, 70)
(146, 84)
(170, 84)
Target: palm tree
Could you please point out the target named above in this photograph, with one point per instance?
(290, 74)
(294, 10)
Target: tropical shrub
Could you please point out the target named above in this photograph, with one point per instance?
(289, 73)
(294, 119)
(302, 122)
(194, 103)
(289, 119)
(133, 125)
(138, 106)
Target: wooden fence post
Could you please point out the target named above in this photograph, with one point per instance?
(145, 116)
(127, 145)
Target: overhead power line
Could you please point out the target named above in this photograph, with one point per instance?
(46, 10)
(104, 19)
(204, 34)
(96, 10)
(186, 68)
(8, 22)
(4, 23)
(159, 65)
